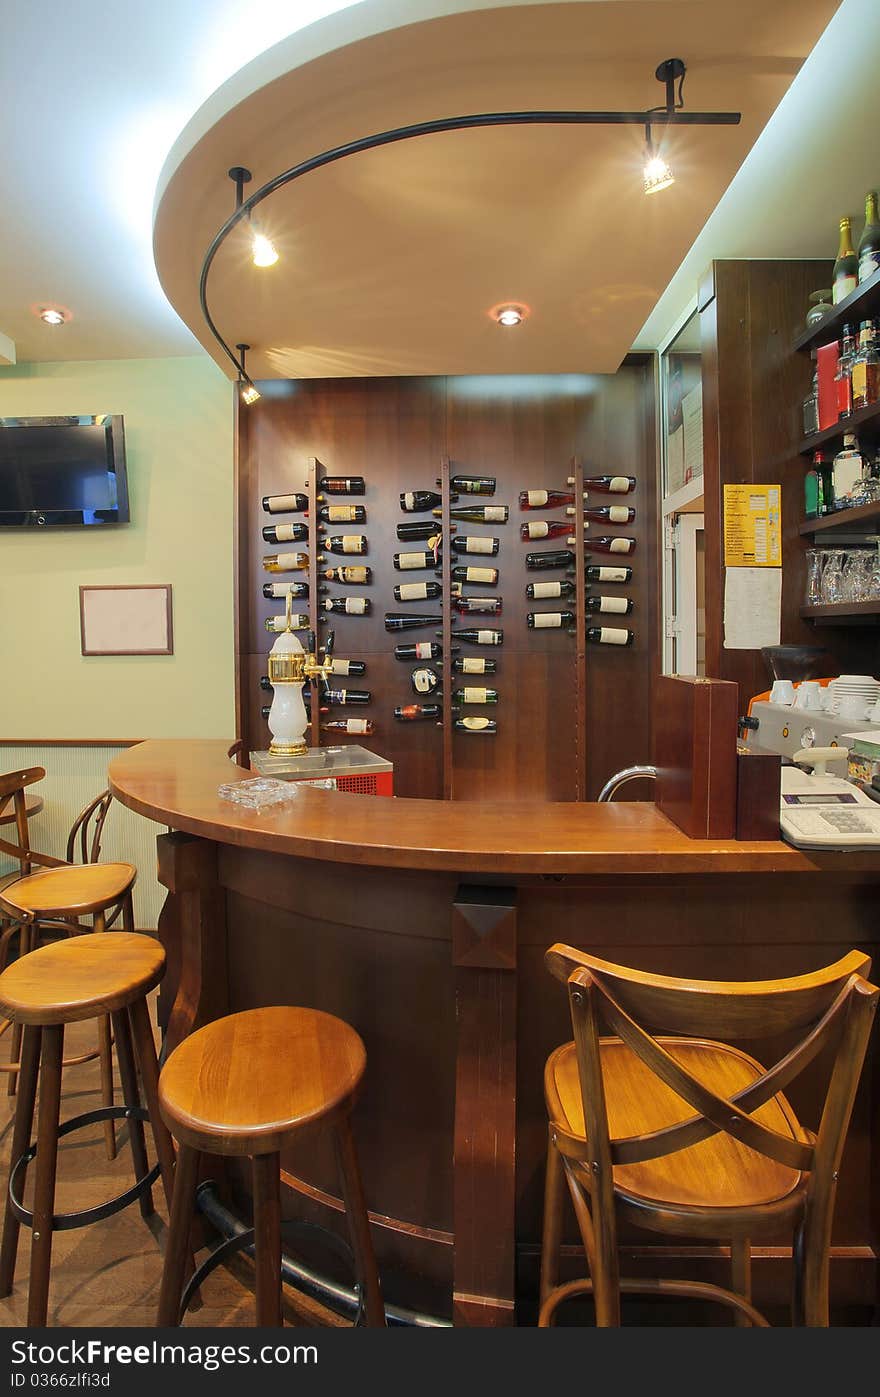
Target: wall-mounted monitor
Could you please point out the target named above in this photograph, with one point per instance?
(62, 471)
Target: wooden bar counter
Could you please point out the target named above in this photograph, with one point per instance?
(424, 925)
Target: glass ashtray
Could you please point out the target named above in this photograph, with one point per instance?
(259, 793)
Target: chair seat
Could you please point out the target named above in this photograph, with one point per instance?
(81, 978)
(242, 1084)
(717, 1172)
(74, 890)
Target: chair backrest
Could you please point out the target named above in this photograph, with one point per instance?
(87, 829)
(236, 752)
(12, 789)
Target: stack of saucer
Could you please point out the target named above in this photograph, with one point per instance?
(852, 695)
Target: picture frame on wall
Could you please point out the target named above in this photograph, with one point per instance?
(126, 620)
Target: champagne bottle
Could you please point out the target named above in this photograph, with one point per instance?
(607, 484)
(286, 533)
(607, 574)
(276, 624)
(346, 543)
(546, 528)
(347, 606)
(472, 484)
(415, 529)
(411, 562)
(352, 726)
(471, 606)
(343, 485)
(479, 513)
(408, 620)
(474, 543)
(622, 606)
(486, 577)
(418, 712)
(354, 576)
(342, 514)
(546, 499)
(469, 695)
(609, 635)
(869, 242)
(347, 696)
(488, 726)
(417, 591)
(541, 591)
(425, 680)
(479, 637)
(417, 501)
(422, 650)
(285, 562)
(845, 277)
(281, 589)
(550, 620)
(473, 664)
(550, 558)
(285, 504)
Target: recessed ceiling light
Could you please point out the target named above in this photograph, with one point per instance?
(513, 313)
(51, 315)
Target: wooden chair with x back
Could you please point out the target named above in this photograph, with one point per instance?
(679, 1133)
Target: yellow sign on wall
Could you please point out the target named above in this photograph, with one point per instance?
(753, 526)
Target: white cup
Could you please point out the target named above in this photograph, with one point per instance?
(782, 691)
(852, 707)
(807, 695)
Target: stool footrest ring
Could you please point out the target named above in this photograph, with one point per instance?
(65, 1222)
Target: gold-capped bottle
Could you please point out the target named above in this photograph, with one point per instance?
(869, 242)
(845, 277)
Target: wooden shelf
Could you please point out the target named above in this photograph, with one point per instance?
(843, 612)
(861, 304)
(847, 520)
(865, 421)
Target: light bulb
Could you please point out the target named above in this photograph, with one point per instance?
(657, 174)
(509, 313)
(510, 317)
(50, 316)
(263, 251)
(250, 393)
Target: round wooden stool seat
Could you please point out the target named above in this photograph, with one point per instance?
(82, 978)
(240, 1085)
(74, 890)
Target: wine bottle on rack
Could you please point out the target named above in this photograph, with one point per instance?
(411, 562)
(607, 574)
(488, 726)
(474, 543)
(347, 696)
(299, 621)
(547, 528)
(354, 575)
(425, 680)
(472, 484)
(353, 726)
(551, 620)
(479, 637)
(347, 668)
(422, 650)
(285, 562)
(281, 589)
(408, 620)
(285, 504)
(607, 484)
(418, 712)
(550, 558)
(621, 606)
(609, 635)
(546, 499)
(541, 591)
(415, 529)
(417, 591)
(609, 514)
(417, 501)
(286, 533)
(479, 513)
(487, 577)
(345, 543)
(342, 514)
(473, 695)
(347, 606)
(609, 543)
(342, 485)
(472, 606)
(473, 664)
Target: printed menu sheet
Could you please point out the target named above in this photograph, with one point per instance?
(752, 526)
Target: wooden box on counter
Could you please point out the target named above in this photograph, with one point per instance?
(695, 732)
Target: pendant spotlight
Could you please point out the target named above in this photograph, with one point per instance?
(657, 174)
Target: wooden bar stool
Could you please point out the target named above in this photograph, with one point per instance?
(88, 976)
(243, 1086)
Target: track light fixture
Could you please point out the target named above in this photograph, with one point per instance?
(248, 390)
(658, 175)
(263, 251)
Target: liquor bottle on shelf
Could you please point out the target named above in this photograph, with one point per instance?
(848, 467)
(479, 637)
(347, 606)
(298, 622)
(342, 485)
(819, 487)
(418, 712)
(347, 696)
(342, 514)
(285, 562)
(479, 513)
(281, 589)
(487, 726)
(845, 277)
(865, 371)
(472, 606)
(486, 577)
(425, 680)
(603, 573)
(471, 484)
(842, 378)
(353, 726)
(411, 562)
(353, 576)
(474, 543)
(551, 620)
(421, 650)
(811, 401)
(869, 242)
(607, 484)
(609, 635)
(546, 499)
(345, 543)
(408, 620)
(469, 695)
(541, 591)
(414, 529)
(621, 606)
(286, 533)
(285, 504)
(474, 664)
(546, 528)
(417, 591)
(417, 501)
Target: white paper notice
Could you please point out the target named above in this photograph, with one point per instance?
(675, 461)
(692, 427)
(752, 607)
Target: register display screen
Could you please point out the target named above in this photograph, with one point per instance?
(842, 799)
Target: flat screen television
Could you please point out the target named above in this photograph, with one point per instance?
(62, 470)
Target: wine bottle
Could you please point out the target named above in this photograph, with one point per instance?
(362, 726)
(347, 606)
(869, 242)
(343, 485)
(551, 558)
(346, 543)
(285, 504)
(347, 696)
(411, 562)
(474, 543)
(352, 575)
(473, 695)
(607, 484)
(285, 562)
(422, 650)
(286, 533)
(479, 513)
(417, 591)
(472, 606)
(610, 544)
(606, 574)
(281, 589)
(488, 726)
(550, 620)
(546, 499)
(541, 591)
(622, 606)
(417, 501)
(472, 484)
(298, 622)
(479, 637)
(609, 635)
(546, 528)
(487, 577)
(408, 620)
(473, 664)
(415, 529)
(417, 712)
(342, 514)
(845, 277)
(610, 514)
(425, 680)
